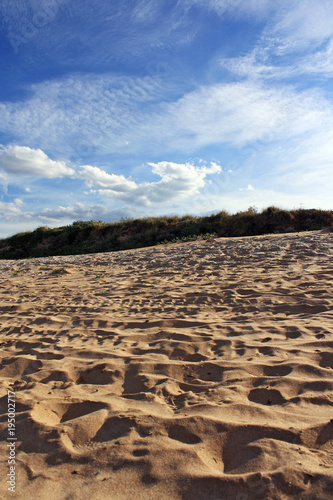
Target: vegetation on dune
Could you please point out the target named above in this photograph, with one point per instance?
(96, 236)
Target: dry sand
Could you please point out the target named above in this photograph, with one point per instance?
(187, 371)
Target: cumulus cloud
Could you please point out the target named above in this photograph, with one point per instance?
(178, 181)
(8, 210)
(23, 160)
(95, 177)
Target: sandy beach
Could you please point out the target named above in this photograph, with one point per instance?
(199, 370)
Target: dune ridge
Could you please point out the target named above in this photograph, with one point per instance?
(199, 370)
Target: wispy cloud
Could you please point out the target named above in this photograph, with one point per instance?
(76, 211)
(3, 180)
(259, 64)
(302, 24)
(247, 112)
(297, 40)
(259, 8)
(84, 113)
(82, 117)
(292, 25)
(250, 113)
(146, 11)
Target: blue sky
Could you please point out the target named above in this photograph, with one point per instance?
(150, 107)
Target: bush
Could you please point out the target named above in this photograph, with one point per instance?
(96, 236)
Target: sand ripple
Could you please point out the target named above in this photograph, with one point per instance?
(189, 371)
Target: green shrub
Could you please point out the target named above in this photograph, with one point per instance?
(97, 236)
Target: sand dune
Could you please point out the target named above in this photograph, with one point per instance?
(201, 370)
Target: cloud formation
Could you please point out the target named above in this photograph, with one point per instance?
(247, 112)
(85, 114)
(11, 210)
(105, 115)
(154, 79)
(22, 160)
(300, 25)
(178, 181)
(234, 7)
(76, 211)
(98, 178)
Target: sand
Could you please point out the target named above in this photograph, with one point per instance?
(199, 370)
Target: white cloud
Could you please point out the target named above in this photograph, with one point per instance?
(294, 29)
(3, 180)
(178, 181)
(290, 24)
(85, 114)
(320, 63)
(247, 112)
(256, 65)
(98, 178)
(145, 11)
(23, 160)
(258, 9)
(302, 24)
(248, 188)
(222, 7)
(11, 209)
(233, 113)
(106, 115)
(76, 211)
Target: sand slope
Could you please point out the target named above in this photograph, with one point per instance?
(190, 371)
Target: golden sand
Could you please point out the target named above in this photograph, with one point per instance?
(190, 371)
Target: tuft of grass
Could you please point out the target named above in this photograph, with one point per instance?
(61, 270)
(83, 237)
(19, 272)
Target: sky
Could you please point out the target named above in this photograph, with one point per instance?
(136, 108)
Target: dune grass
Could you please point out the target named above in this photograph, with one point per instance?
(96, 236)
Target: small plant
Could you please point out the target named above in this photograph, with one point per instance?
(207, 236)
(61, 270)
(20, 271)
